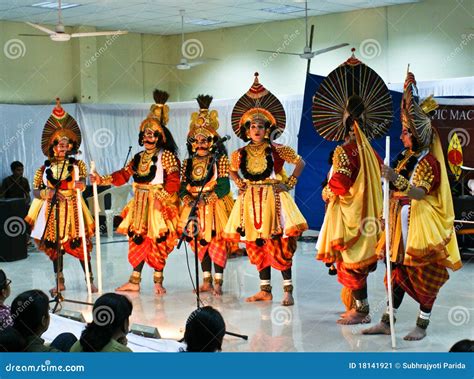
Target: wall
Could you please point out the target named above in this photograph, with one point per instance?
(434, 36)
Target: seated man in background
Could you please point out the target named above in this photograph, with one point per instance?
(205, 330)
(5, 312)
(30, 312)
(11, 341)
(16, 185)
(107, 333)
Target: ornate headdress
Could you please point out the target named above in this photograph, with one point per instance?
(158, 116)
(59, 125)
(415, 116)
(204, 122)
(258, 103)
(352, 90)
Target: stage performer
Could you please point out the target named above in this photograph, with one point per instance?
(150, 218)
(265, 216)
(422, 237)
(60, 141)
(353, 104)
(216, 203)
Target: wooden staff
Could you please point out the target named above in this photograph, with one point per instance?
(386, 216)
(97, 231)
(82, 232)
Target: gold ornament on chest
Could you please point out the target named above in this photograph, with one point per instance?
(199, 169)
(256, 158)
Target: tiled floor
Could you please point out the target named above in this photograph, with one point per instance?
(310, 325)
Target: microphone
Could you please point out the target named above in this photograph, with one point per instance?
(128, 154)
(223, 139)
(219, 143)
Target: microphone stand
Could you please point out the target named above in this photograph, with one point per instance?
(191, 218)
(128, 154)
(58, 298)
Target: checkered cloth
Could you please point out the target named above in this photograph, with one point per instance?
(422, 283)
(277, 253)
(217, 249)
(154, 254)
(353, 279)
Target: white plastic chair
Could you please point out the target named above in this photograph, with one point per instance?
(119, 198)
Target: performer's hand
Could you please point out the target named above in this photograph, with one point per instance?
(389, 173)
(95, 178)
(79, 185)
(158, 204)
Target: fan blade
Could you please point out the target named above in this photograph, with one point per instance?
(159, 63)
(308, 64)
(42, 28)
(322, 51)
(96, 34)
(204, 60)
(34, 35)
(278, 52)
(196, 63)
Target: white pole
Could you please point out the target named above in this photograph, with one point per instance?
(386, 216)
(97, 231)
(82, 230)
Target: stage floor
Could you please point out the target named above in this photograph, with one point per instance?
(309, 325)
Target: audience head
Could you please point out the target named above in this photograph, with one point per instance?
(17, 168)
(11, 340)
(205, 330)
(30, 313)
(463, 346)
(4, 286)
(110, 314)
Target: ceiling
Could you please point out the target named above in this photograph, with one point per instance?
(162, 16)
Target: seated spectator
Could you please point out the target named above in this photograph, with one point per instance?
(205, 330)
(5, 312)
(15, 185)
(30, 312)
(11, 341)
(463, 346)
(109, 328)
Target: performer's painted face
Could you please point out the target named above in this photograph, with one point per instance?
(149, 139)
(406, 138)
(257, 130)
(201, 145)
(62, 147)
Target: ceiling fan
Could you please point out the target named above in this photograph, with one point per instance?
(184, 63)
(59, 35)
(307, 51)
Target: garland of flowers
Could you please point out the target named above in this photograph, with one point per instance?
(256, 177)
(143, 178)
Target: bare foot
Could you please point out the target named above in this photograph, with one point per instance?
(288, 299)
(128, 287)
(260, 296)
(380, 328)
(204, 287)
(94, 289)
(345, 314)
(416, 334)
(353, 317)
(159, 289)
(217, 290)
(54, 291)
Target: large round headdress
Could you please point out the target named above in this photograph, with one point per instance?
(353, 89)
(415, 116)
(59, 125)
(258, 102)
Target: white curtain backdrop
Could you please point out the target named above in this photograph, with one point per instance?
(109, 129)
